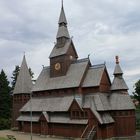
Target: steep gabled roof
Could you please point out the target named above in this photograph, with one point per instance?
(94, 75)
(62, 29)
(119, 84)
(58, 51)
(117, 70)
(96, 104)
(24, 82)
(62, 32)
(72, 78)
(62, 18)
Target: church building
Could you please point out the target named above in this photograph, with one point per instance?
(73, 97)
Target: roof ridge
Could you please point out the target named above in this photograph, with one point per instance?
(97, 66)
(81, 60)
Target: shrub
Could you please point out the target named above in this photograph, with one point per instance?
(4, 123)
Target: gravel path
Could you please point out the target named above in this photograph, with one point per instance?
(25, 136)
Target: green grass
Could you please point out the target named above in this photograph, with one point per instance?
(3, 138)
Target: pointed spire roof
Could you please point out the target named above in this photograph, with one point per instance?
(118, 81)
(62, 18)
(118, 69)
(24, 82)
(62, 30)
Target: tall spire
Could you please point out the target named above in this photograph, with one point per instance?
(62, 30)
(24, 82)
(62, 18)
(118, 83)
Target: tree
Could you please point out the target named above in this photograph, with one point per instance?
(5, 98)
(136, 93)
(15, 75)
(31, 73)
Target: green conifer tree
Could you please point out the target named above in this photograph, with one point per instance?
(5, 97)
(14, 76)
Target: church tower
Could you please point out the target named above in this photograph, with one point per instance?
(22, 91)
(118, 84)
(63, 53)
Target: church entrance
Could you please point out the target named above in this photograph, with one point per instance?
(44, 127)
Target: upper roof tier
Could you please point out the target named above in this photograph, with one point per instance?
(62, 30)
(62, 18)
(118, 83)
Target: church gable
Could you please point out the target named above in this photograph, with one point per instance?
(105, 82)
(75, 106)
(93, 76)
(44, 117)
(72, 51)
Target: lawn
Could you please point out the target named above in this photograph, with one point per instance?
(3, 138)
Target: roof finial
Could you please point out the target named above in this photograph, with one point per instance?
(117, 59)
(62, 3)
(24, 53)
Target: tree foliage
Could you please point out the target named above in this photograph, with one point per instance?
(5, 97)
(136, 93)
(14, 76)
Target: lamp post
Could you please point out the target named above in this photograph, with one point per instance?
(31, 115)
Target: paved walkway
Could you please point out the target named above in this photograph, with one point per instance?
(25, 136)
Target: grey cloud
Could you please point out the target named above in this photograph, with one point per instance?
(102, 28)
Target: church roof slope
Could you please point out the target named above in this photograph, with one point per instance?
(35, 118)
(120, 101)
(101, 102)
(24, 82)
(93, 103)
(118, 69)
(57, 51)
(49, 104)
(67, 120)
(62, 32)
(62, 18)
(94, 75)
(118, 84)
(71, 79)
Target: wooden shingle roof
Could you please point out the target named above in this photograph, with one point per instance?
(71, 79)
(58, 51)
(120, 101)
(94, 75)
(51, 104)
(24, 82)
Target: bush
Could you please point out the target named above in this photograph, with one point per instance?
(4, 123)
(138, 117)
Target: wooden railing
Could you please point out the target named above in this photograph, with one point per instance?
(84, 132)
(88, 134)
(91, 134)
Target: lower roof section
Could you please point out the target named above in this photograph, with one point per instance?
(53, 119)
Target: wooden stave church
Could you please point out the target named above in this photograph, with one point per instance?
(72, 97)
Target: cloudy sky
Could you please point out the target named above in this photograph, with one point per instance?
(101, 28)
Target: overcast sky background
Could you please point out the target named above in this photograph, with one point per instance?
(101, 28)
